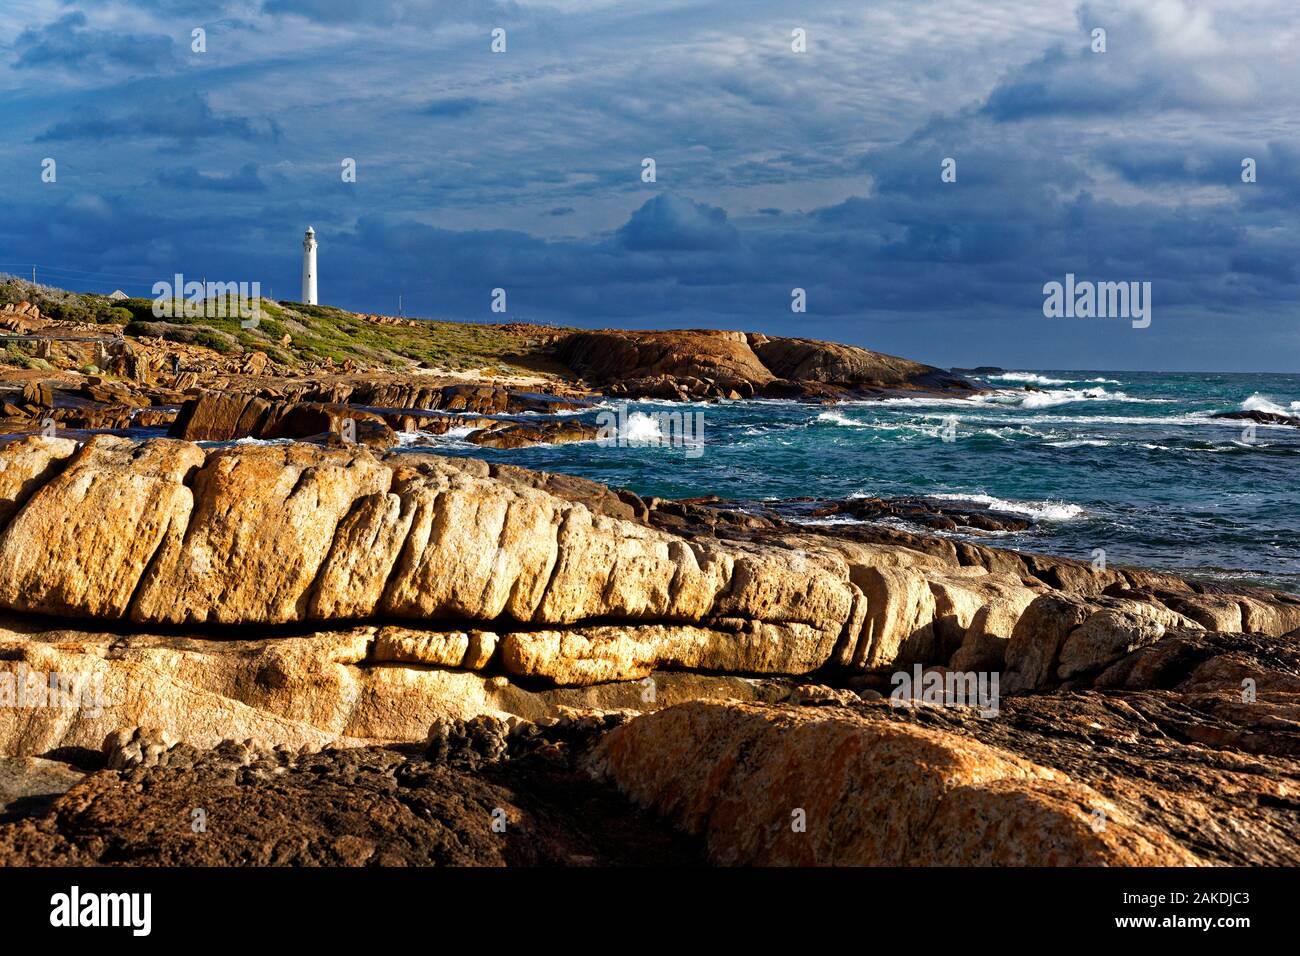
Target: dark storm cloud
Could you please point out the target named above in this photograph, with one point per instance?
(676, 224)
(522, 171)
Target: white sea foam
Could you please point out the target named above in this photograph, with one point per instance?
(1065, 396)
(1036, 378)
(919, 401)
(1212, 450)
(1032, 377)
(1261, 403)
(1091, 421)
(246, 441)
(839, 418)
(642, 428)
(1081, 443)
(1038, 510)
(419, 439)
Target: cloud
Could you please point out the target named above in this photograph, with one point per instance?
(68, 44)
(246, 180)
(669, 223)
(185, 118)
(345, 12)
(776, 170)
(1167, 55)
(452, 107)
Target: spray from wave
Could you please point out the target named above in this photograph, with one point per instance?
(837, 418)
(1038, 510)
(642, 428)
(1262, 403)
(1032, 378)
(1037, 378)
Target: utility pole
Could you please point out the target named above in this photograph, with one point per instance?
(399, 305)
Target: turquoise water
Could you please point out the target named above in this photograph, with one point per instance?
(1130, 462)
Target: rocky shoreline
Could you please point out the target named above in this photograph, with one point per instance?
(327, 651)
(732, 668)
(84, 377)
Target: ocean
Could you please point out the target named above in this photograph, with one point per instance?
(1129, 462)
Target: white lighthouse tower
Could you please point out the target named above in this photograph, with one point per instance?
(309, 267)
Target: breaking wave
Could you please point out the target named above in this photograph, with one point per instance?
(1038, 510)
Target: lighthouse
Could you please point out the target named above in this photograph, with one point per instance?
(309, 267)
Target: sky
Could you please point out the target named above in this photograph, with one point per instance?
(775, 169)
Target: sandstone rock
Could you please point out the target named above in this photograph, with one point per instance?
(113, 393)
(1274, 617)
(715, 362)
(899, 626)
(830, 363)
(524, 435)
(262, 525)
(26, 465)
(39, 394)
(1214, 612)
(153, 418)
(1064, 637)
(984, 644)
(82, 542)
(1103, 638)
(471, 651)
(756, 783)
(339, 687)
(602, 654)
(220, 416)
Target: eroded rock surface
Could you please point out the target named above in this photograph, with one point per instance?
(1075, 779)
(306, 596)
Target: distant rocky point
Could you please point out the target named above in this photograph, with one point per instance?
(91, 363)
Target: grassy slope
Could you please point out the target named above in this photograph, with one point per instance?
(316, 333)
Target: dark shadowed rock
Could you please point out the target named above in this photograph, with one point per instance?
(1263, 418)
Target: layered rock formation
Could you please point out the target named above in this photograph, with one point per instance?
(308, 596)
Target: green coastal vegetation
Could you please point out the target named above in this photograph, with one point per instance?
(296, 334)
